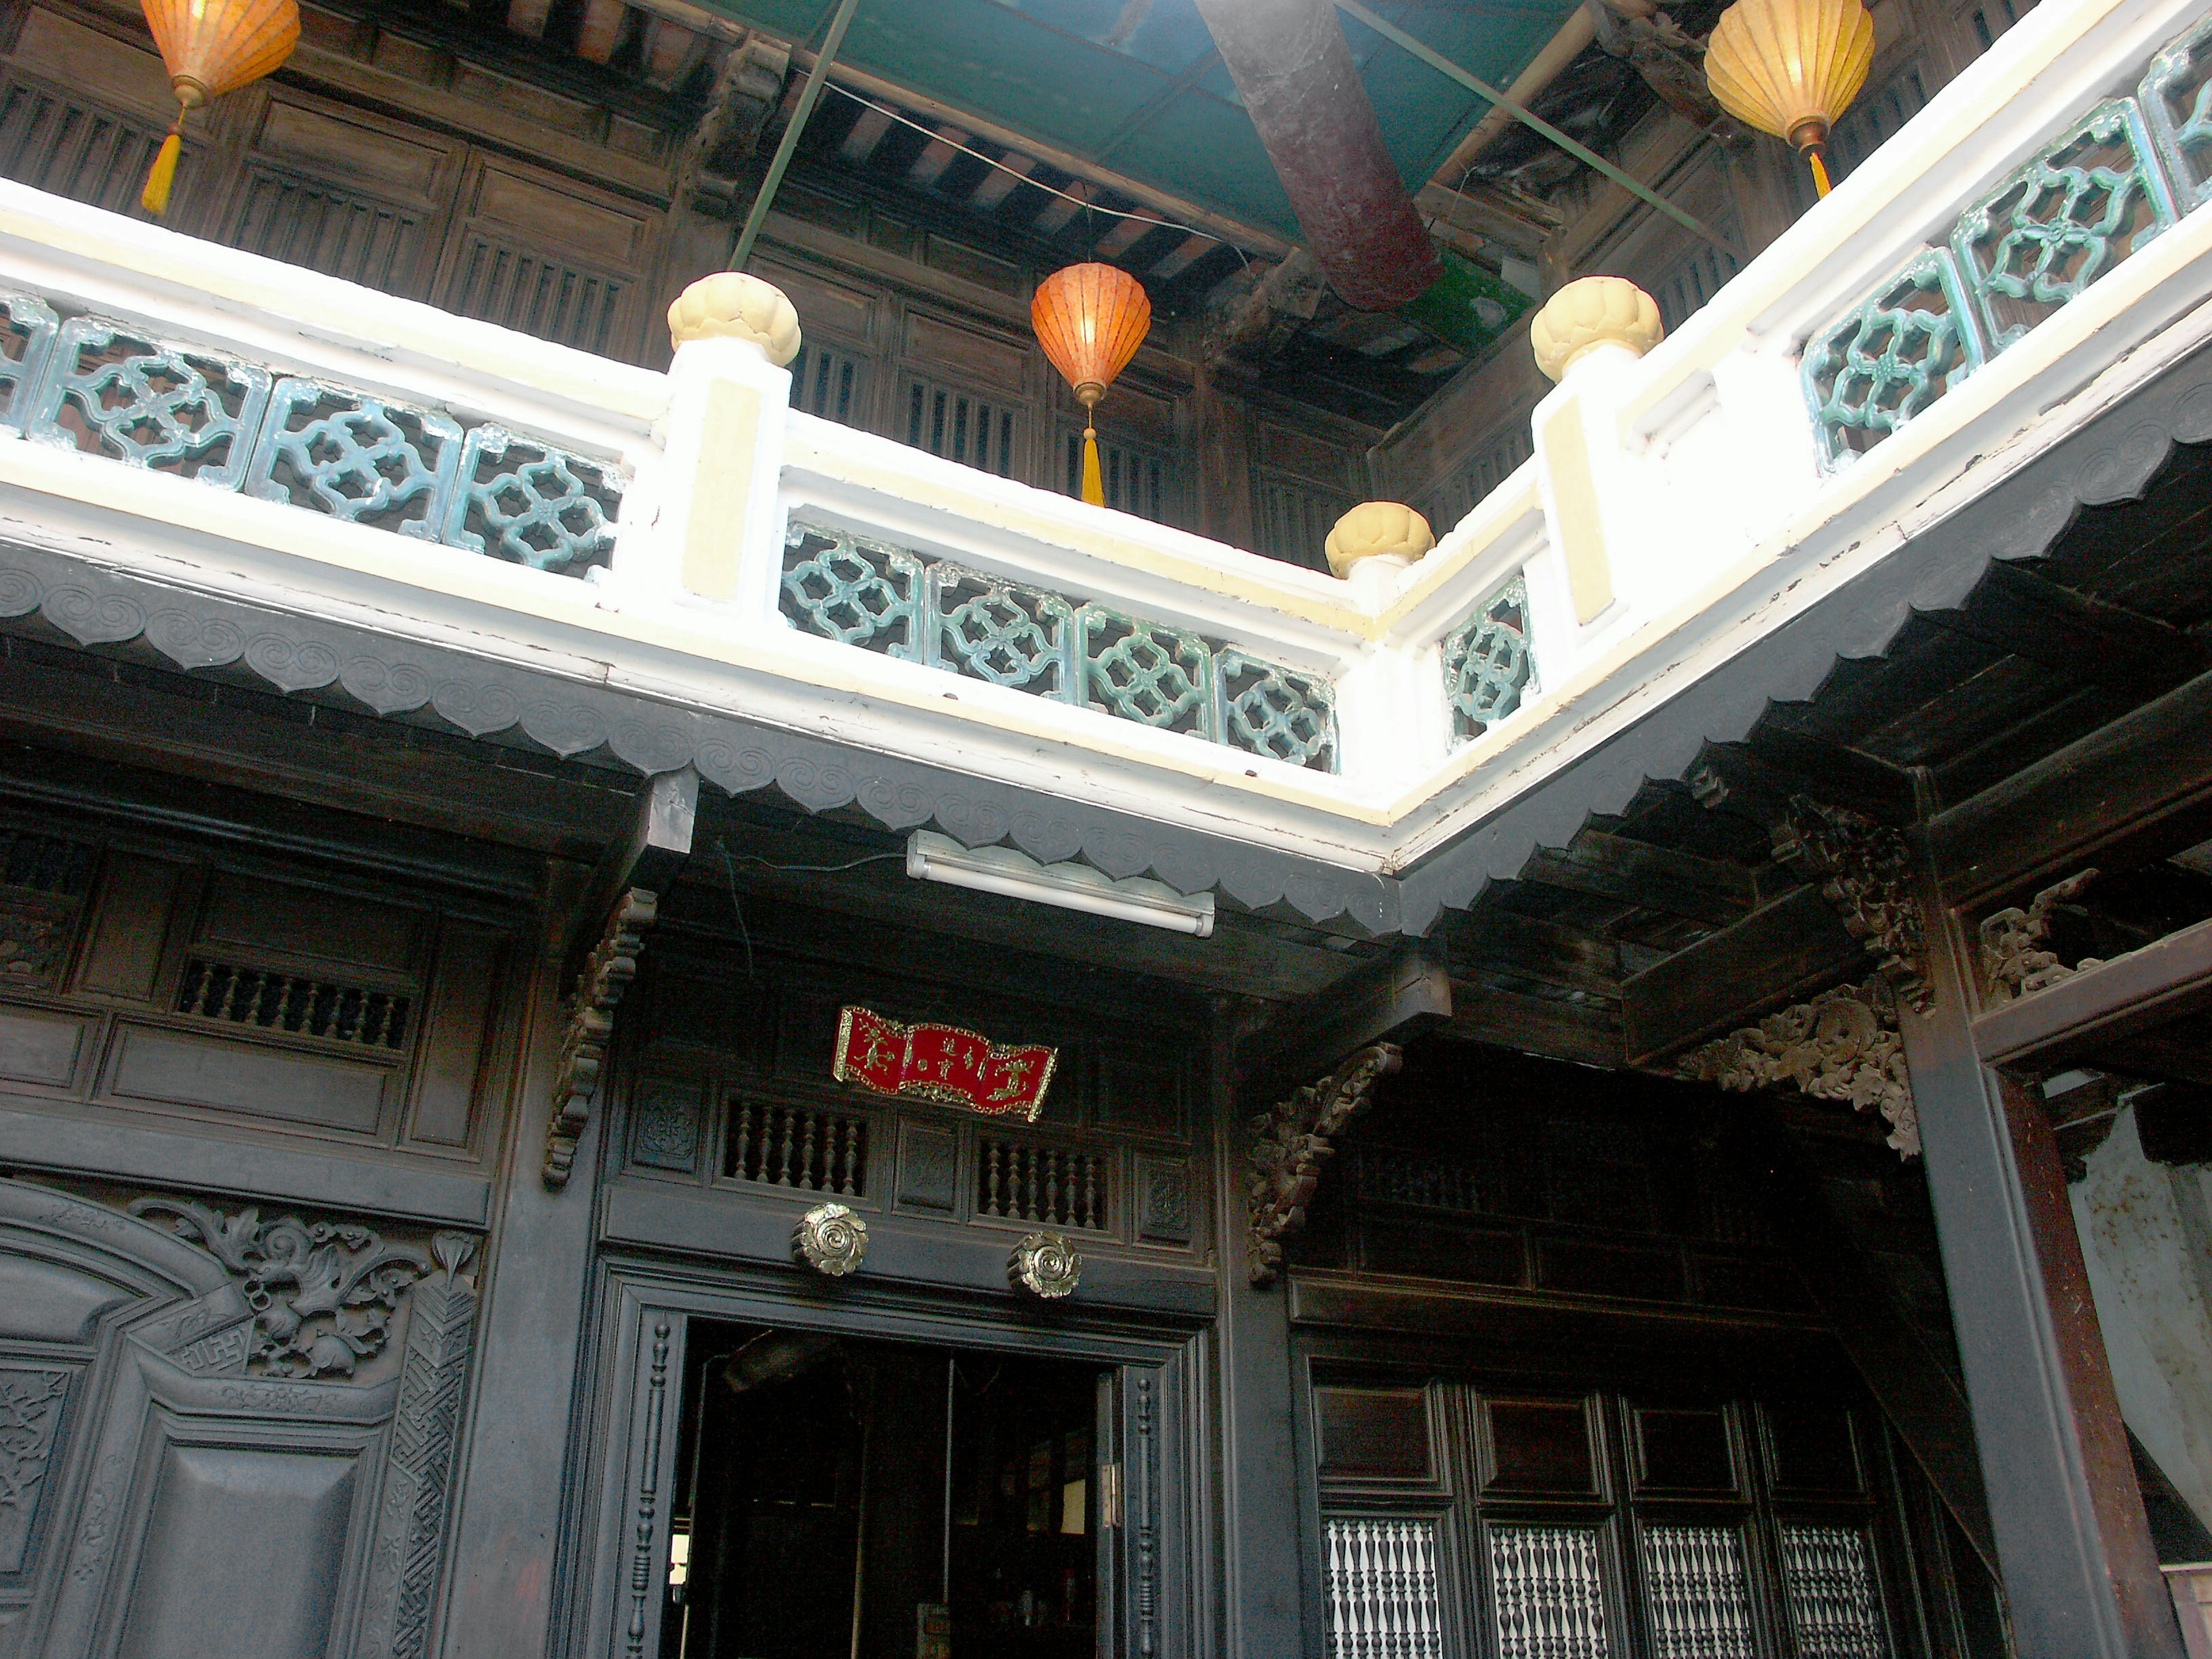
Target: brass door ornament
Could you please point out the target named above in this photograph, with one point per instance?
(1045, 1264)
(830, 1239)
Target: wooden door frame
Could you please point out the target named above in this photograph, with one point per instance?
(616, 1550)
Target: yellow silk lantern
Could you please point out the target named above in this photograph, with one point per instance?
(1791, 68)
(212, 47)
(1090, 318)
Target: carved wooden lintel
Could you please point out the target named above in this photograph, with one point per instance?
(1843, 1045)
(1292, 1139)
(2014, 962)
(607, 974)
(1864, 871)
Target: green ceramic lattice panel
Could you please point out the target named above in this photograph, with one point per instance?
(529, 504)
(1874, 368)
(331, 449)
(1273, 711)
(857, 592)
(27, 326)
(1139, 671)
(1488, 665)
(113, 391)
(2083, 206)
(2177, 101)
(903, 605)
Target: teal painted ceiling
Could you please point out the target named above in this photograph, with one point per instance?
(1135, 85)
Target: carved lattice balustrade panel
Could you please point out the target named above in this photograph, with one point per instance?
(906, 605)
(2097, 195)
(2177, 101)
(2082, 208)
(118, 391)
(1489, 666)
(27, 328)
(129, 396)
(1892, 357)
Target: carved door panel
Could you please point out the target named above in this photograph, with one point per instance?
(219, 1433)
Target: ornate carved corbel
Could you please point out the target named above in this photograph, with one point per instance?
(2014, 961)
(1292, 1139)
(1843, 1045)
(607, 974)
(626, 897)
(1864, 871)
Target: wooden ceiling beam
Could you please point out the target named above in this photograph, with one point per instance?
(1505, 942)
(1780, 954)
(528, 16)
(1587, 1033)
(2139, 786)
(1651, 878)
(1000, 181)
(2076, 634)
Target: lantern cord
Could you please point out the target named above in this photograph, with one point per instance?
(155, 199)
(1084, 201)
(1094, 483)
(1820, 171)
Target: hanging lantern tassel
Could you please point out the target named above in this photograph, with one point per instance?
(212, 47)
(1791, 68)
(1090, 318)
(162, 175)
(1094, 482)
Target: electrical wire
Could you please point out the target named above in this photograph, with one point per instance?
(935, 137)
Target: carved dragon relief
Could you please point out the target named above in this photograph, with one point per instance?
(1864, 872)
(1294, 1139)
(1843, 1045)
(607, 974)
(2014, 962)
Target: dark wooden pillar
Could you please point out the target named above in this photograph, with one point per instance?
(506, 1537)
(2081, 1577)
(1267, 1559)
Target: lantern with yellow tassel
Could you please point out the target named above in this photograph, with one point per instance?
(212, 47)
(1791, 68)
(1090, 318)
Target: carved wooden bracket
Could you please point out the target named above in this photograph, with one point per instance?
(1842, 1045)
(625, 899)
(1291, 1141)
(1864, 870)
(2014, 961)
(607, 974)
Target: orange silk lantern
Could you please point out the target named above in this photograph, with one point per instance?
(212, 47)
(1090, 318)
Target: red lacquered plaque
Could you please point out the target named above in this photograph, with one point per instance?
(941, 1063)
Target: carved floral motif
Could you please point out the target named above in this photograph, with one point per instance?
(830, 1239)
(2014, 960)
(1864, 869)
(1843, 1045)
(1045, 1264)
(323, 1294)
(1291, 1141)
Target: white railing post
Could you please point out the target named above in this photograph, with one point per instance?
(1390, 718)
(1588, 337)
(710, 534)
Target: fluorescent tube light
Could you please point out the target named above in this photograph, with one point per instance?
(933, 857)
